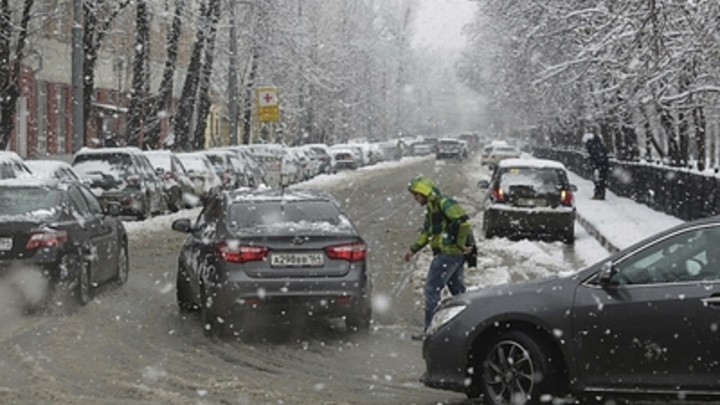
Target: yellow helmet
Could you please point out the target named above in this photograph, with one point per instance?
(421, 185)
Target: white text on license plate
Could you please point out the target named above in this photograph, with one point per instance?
(6, 244)
(297, 259)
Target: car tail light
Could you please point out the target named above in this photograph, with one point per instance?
(133, 180)
(497, 195)
(45, 239)
(352, 252)
(235, 253)
(566, 197)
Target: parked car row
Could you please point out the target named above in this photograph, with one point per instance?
(52, 223)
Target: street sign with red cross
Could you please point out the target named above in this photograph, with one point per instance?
(268, 104)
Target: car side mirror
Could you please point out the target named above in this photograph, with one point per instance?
(607, 270)
(182, 225)
(483, 184)
(113, 209)
(159, 171)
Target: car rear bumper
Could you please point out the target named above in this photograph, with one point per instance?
(449, 155)
(531, 221)
(46, 261)
(334, 296)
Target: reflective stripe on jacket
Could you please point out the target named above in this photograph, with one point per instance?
(446, 226)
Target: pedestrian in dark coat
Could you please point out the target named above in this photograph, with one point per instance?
(599, 163)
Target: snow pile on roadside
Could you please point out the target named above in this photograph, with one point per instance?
(160, 223)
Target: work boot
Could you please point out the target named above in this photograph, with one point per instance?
(418, 336)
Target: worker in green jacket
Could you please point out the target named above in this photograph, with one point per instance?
(446, 230)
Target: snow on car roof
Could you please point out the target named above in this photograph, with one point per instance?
(243, 195)
(47, 167)
(531, 162)
(9, 155)
(30, 182)
(123, 149)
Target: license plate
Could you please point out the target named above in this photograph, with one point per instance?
(6, 244)
(297, 259)
(531, 202)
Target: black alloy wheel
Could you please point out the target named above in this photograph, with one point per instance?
(123, 265)
(183, 293)
(517, 369)
(146, 211)
(359, 321)
(84, 285)
(174, 199)
(211, 324)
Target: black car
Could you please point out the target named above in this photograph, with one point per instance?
(451, 148)
(61, 230)
(643, 322)
(123, 175)
(529, 197)
(272, 252)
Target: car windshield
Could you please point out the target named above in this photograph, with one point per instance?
(29, 201)
(118, 163)
(282, 217)
(541, 179)
(194, 164)
(160, 160)
(505, 149)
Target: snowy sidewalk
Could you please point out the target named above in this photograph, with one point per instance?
(616, 222)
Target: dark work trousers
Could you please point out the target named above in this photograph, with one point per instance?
(444, 270)
(600, 182)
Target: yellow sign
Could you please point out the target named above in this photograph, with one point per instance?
(268, 104)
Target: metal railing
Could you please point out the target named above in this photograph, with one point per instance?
(683, 193)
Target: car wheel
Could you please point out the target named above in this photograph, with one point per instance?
(359, 321)
(517, 369)
(146, 210)
(183, 293)
(211, 324)
(175, 200)
(84, 287)
(123, 265)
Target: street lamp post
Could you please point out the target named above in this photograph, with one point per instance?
(232, 80)
(78, 107)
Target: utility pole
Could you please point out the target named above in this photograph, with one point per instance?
(232, 80)
(78, 54)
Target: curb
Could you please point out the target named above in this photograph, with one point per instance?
(590, 228)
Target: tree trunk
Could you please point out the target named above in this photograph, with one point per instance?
(10, 68)
(186, 108)
(700, 139)
(93, 34)
(206, 72)
(249, 96)
(684, 139)
(140, 83)
(162, 102)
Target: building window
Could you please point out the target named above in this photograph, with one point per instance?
(42, 119)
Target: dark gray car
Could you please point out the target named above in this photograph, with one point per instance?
(272, 252)
(643, 322)
(529, 197)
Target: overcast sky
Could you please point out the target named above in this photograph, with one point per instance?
(439, 22)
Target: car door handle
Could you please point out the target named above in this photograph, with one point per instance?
(713, 301)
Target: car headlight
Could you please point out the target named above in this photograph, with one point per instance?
(444, 316)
